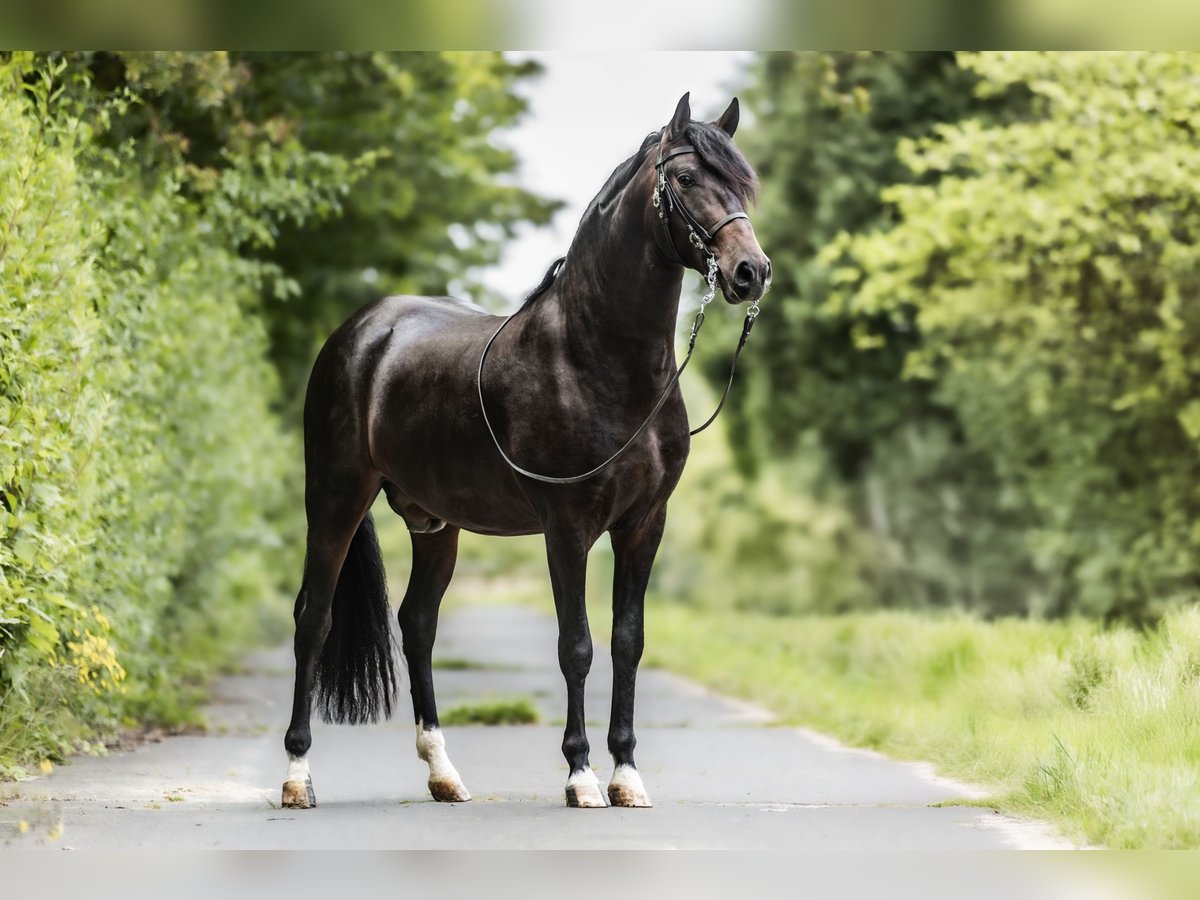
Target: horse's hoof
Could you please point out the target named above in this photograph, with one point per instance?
(626, 789)
(449, 790)
(298, 795)
(583, 791)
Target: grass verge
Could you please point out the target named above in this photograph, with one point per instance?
(1094, 729)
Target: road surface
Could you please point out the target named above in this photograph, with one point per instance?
(720, 773)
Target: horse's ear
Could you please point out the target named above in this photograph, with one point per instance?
(683, 115)
(729, 119)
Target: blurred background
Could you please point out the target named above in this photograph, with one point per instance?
(972, 391)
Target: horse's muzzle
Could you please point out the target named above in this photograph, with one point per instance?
(750, 279)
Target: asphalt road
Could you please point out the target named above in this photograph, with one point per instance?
(721, 774)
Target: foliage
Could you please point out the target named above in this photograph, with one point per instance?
(434, 206)
(995, 703)
(52, 414)
(1050, 265)
(824, 139)
(982, 327)
(152, 208)
(430, 200)
(140, 463)
(925, 520)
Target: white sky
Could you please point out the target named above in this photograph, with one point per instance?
(588, 112)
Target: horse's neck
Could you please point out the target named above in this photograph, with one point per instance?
(617, 294)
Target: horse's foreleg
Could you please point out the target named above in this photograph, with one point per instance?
(434, 556)
(331, 528)
(633, 552)
(567, 555)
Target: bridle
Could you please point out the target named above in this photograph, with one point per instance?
(699, 236)
(666, 201)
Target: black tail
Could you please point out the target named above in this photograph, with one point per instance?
(356, 674)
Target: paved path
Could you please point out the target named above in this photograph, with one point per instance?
(720, 774)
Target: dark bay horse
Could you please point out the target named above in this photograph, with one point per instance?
(393, 404)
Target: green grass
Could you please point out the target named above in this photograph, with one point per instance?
(458, 664)
(502, 711)
(1096, 730)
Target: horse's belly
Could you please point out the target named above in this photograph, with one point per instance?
(435, 460)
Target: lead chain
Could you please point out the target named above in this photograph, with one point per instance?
(711, 277)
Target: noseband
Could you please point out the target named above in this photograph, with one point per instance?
(701, 238)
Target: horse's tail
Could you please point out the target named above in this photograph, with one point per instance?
(356, 676)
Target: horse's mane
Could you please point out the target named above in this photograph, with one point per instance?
(612, 188)
(715, 150)
(544, 284)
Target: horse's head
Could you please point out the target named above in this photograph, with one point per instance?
(703, 185)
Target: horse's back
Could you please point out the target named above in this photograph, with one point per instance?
(408, 319)
(391, 328)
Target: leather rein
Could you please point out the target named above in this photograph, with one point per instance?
(666, 201)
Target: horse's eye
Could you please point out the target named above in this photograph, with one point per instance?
(686, 179)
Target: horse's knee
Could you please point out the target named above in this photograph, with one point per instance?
(575, 657)
(627, 646)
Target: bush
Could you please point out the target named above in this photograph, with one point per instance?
(53, 413)
(157, 211)
(1051, 263)
(143, 475)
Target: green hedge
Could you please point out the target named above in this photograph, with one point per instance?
(143, 475)
(160, 213)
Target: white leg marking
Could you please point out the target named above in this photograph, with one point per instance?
(625, 788)
(583, 790)
(297, 768)
(297, 787)
(444, 781)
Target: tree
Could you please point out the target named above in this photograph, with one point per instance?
(427, 199)
(824, 142)
(437, 202)
(828, 375)
(1052, 267)
(155, 211)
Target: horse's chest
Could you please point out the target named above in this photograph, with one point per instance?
(653, 467)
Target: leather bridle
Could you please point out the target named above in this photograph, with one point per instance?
(699, 236)
(666, 201)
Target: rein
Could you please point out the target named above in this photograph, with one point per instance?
(700, 238)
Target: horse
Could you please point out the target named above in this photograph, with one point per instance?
(400, 401)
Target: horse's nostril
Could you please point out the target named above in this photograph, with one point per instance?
(767, 271)
(743, 275)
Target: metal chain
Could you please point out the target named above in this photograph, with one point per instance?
(711, 277)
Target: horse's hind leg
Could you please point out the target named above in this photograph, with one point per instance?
(434, 555)
(334, 518)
